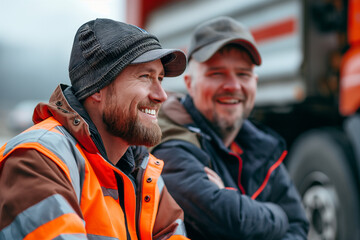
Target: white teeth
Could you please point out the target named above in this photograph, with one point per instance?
(230, 101)
(149, 111)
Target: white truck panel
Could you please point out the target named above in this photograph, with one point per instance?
(282, 53)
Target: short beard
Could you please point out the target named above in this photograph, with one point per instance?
(225, 128)
(122, 124)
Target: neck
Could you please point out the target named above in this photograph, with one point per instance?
(115, 147)
(229, 137)
(227, 133)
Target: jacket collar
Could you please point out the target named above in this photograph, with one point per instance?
(257, 139)
(70, 113)
(174, 110)
(61, 109)
(201, 122)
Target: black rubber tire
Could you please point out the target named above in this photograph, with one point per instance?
(319, 166)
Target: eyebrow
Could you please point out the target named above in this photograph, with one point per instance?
(152, 70)
(221, 68)
(250, 69)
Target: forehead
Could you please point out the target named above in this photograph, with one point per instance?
(230, 56)
(155, 66)
(135, 71)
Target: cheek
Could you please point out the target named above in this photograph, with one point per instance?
(124, 104)
(251, 96)
(203, 95)
(132, 104)
(205, 103)
(250, 89)
(208, 87)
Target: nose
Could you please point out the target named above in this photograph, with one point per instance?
(158, 93)
(232, 83)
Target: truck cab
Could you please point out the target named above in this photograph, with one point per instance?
(308, 90)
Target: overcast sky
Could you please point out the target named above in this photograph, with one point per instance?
(35, 42)
(36, 37)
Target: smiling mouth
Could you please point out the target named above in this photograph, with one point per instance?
(151, 112)
(229, 100)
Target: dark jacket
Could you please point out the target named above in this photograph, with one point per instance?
(259, 200)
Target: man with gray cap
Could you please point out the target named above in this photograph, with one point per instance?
(80, 172)
(225, 171)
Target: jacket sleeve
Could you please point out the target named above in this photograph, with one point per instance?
(37, 199)
(216, 213)
(288, 199)
(169, 222)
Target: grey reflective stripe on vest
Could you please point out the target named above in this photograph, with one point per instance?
(43, 212)
(110, 192)
(180, 230)
(97, 237)
(144, 162)
(63, 146)
(160, 184)
(71, 237)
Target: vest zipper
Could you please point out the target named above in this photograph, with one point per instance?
(120, 184)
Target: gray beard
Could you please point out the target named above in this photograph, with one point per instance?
(224, 128)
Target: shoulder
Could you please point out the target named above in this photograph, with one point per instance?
(259, 130)
(54, 138)
(256, 136)
(179, 152)
(174, 121)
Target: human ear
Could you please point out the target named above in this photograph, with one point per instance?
(96, 96)
(187, 80)
(256, 77)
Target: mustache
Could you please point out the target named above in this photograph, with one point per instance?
(152, 105)
(230, 95)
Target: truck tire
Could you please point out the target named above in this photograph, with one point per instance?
(320, 168)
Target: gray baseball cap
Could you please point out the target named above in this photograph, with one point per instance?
(214, 34)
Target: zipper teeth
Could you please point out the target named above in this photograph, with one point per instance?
(139, 189)
(119, 181)
(138, 205)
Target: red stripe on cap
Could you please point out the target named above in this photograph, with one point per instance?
(273, 30)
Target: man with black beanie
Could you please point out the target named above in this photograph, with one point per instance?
(82, 171)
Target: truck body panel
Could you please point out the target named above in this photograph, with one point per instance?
(308, 91)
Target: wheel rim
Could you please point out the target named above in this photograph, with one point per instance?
(321, 203)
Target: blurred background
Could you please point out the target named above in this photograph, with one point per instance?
(35, 43)
(309, 81)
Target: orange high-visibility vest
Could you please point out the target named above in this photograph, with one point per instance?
(106, 215)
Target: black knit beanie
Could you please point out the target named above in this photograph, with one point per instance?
(103, 48)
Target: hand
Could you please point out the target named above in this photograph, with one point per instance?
(213, 177)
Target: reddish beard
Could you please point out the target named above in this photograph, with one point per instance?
(129, 128)
(126, 125)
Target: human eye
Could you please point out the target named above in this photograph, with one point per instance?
(144, 76)
(215, 74)
(161, 78)
(244, 75)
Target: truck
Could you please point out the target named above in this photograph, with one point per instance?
(308, 90)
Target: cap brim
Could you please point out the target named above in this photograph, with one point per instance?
(206, 52)
(173, 60)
